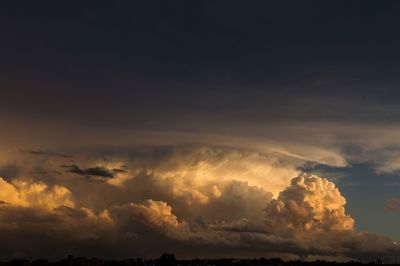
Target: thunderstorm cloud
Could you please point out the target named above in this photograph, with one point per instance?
(217, 199)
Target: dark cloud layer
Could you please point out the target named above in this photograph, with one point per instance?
(123, 64)
(44, 153)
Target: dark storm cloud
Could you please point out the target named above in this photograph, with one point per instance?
(99, 171)
(195, 61)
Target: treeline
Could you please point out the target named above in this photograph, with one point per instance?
(170, 260)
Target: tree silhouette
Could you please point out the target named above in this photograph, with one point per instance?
(166, 260)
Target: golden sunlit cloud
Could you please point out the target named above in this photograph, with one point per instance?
(203, 196)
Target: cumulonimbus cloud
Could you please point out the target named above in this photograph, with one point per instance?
(202, 197)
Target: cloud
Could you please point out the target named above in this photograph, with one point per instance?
(309, 204)
(99, 171)
(155, 214)
(9, 170)
(27, 193)
(392, 204)
(185, 198)
(44, 153)
(191, 167)
(311, 212)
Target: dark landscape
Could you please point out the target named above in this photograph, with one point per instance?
(170, 260)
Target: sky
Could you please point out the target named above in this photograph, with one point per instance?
(206, 129)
